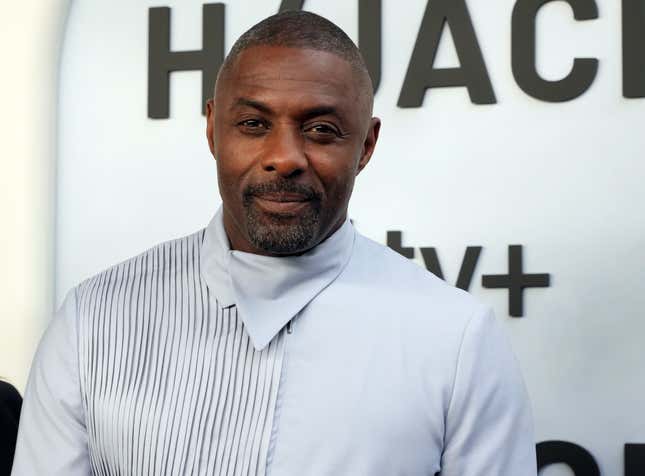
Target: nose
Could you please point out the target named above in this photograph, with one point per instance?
(284, 152)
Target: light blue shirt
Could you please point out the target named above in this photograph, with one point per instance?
(348, 360)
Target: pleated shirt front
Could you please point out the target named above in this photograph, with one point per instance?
(181, 391)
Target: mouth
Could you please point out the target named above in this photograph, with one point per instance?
(282, 200)
(282, 203)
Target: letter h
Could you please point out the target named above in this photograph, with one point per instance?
(162, 61)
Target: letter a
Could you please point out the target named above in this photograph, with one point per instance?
(472, 73)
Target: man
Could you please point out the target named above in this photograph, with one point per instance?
(277, 340)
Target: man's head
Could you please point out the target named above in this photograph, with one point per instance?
(290, 127)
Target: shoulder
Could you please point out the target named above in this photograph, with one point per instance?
(177, 254)
(406, 284)
(403, 303)
(413, 313)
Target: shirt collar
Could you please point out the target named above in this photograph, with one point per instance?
(269, 291)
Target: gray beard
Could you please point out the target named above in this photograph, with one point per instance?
(277, 234)
(274, 235)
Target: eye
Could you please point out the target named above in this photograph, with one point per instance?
(252, 126)
(322, 132)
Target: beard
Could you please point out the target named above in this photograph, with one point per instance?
(279, 233)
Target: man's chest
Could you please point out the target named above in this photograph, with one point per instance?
(186, 393)
(353, 404)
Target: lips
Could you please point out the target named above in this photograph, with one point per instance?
(282, 203)
(283, 197)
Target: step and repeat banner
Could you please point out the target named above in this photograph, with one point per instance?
(510, 163)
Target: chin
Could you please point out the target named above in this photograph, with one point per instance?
(283, 233)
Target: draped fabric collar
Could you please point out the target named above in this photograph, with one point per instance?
(270, 291)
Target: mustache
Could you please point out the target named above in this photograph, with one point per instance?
(307, 192)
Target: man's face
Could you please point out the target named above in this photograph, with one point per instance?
(290, 129)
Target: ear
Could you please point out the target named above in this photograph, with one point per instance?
(210, 124)
(370, 143)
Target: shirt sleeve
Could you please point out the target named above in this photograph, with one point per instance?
(489, 428)
(52, 438)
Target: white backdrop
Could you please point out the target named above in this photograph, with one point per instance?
(30, 40)
(564, 180)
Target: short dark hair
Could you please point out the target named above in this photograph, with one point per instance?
(300, 29)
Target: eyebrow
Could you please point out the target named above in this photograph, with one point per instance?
(321, 111)
(241, 102)
(307, 114)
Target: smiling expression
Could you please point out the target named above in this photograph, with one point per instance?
(290, 129)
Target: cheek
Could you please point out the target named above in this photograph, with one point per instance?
(229, 178)
(338, 184)
(336, 171)
(234, 161)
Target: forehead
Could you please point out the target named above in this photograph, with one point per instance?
(293, 75)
